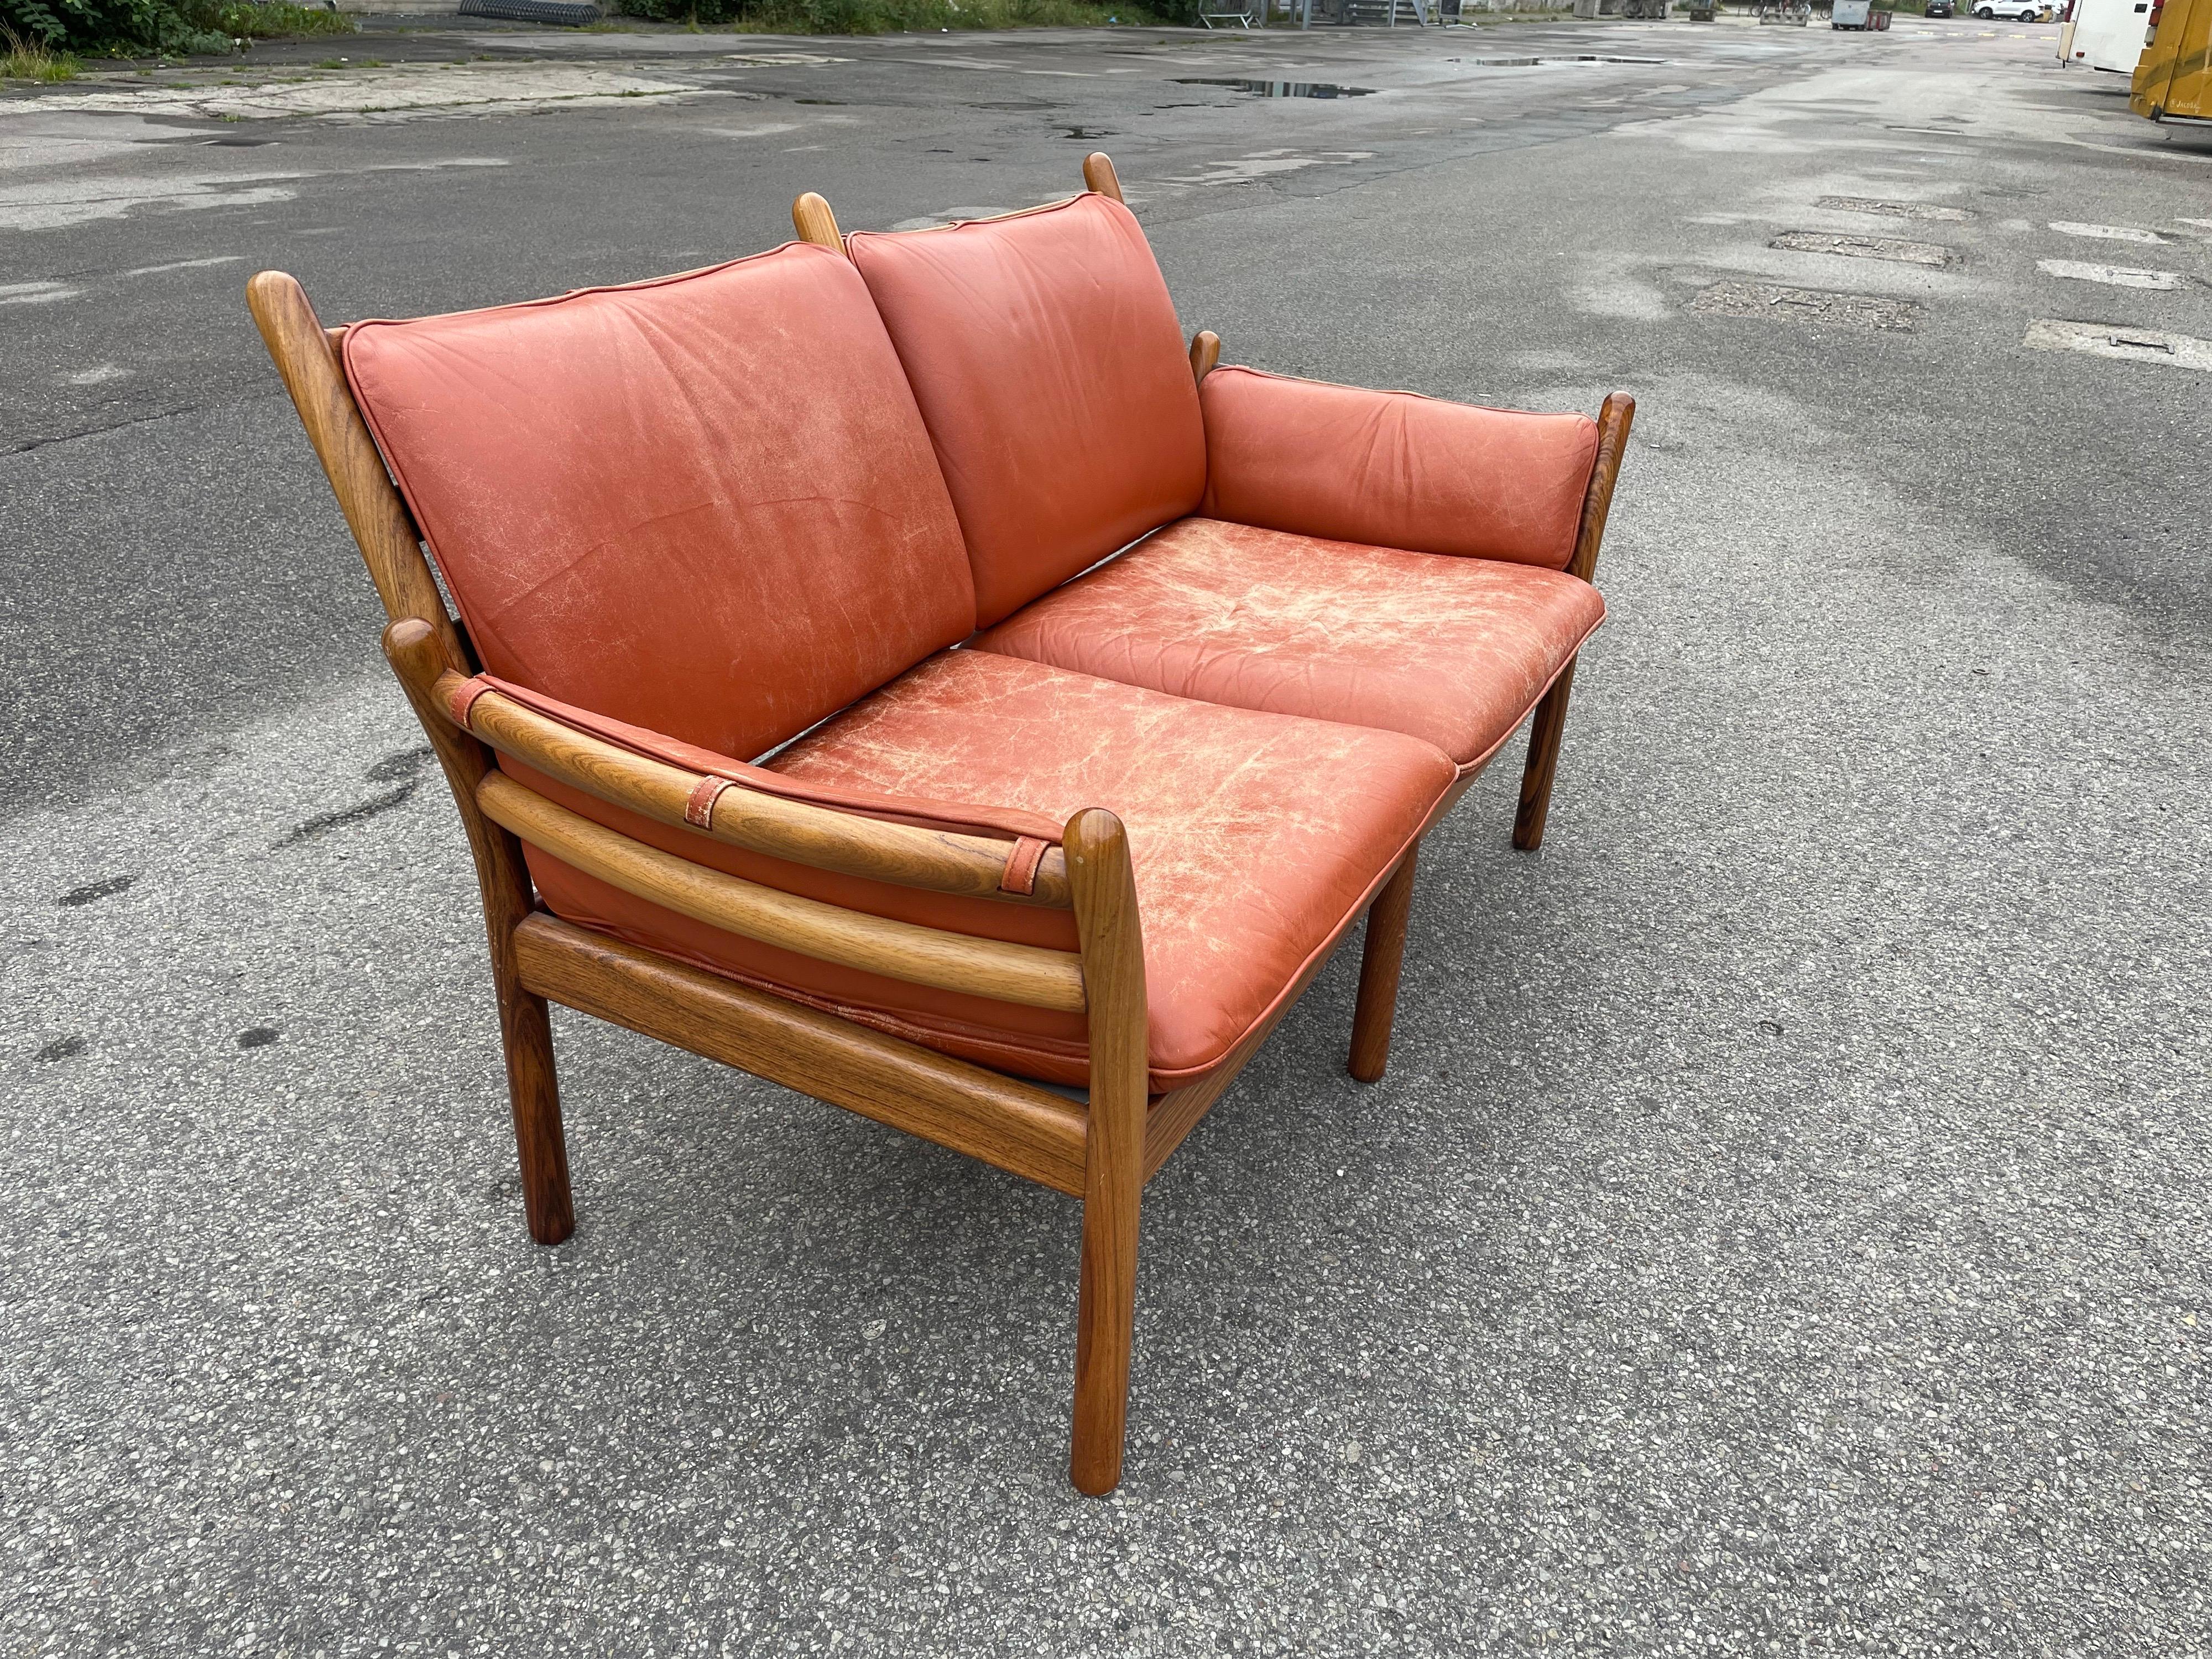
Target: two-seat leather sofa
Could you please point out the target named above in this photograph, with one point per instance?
(795, 718)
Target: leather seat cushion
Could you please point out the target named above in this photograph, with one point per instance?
(1453, 651)
(705, 505)
(1045, 353)
(1256, 839)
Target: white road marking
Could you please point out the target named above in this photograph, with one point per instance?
(34, 293)
(187, 264)
(2107, 232)
(2164, 281)
(2119, 340)
(100, 374)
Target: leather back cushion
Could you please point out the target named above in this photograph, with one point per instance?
(1394, 469)
(706, 505)
(1045, 353)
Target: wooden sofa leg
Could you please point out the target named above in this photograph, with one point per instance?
(1105, 903)
(1544, 733)
(1379, 962)
(534, 1097)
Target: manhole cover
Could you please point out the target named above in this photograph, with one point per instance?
(1880, 209)
(1807, 305)
(1863, 247)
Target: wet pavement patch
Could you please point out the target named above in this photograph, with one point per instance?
(1865, 247)
(62, 1049)
(1881, 210)
(1806, 305)
(361, 812)
(95, 889)
(1279, 89)
(1576, 57)
(257, 1036)
(400, 763)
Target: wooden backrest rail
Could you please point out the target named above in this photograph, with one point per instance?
(1028, 975)
(821, 837)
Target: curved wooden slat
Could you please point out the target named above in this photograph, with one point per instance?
(1027, 975)
(822, 838)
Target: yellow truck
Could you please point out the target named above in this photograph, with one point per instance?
(2173, 82)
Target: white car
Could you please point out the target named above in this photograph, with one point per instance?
(2021, 11)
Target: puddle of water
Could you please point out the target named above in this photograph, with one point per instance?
(1277, 88)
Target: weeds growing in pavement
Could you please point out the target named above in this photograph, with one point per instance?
(32, 60)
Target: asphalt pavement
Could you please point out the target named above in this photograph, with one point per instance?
(1783, 1226)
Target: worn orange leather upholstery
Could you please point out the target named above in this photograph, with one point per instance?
(651, 503)
(1046, 357)
(1453, 651)
(1256, 839)
(1392, 469)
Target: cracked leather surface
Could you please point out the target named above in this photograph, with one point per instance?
(1394, 469)
(1454, 651)
(1255, 838)
(1045, 353)
(651, 503)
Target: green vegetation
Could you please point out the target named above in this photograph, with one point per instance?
(889, 16)
(31, 60)
(177, 27)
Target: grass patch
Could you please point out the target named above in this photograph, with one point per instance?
(265, 20)
(886, 16)
(32, 60)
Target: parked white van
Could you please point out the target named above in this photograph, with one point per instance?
(2105, 34)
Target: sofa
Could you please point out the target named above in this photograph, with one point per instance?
(902, 666)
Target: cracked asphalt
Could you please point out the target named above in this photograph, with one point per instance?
(1783, 1227)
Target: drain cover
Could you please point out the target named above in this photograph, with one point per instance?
(1863, 247)
(1808, 305)
(1893, 209)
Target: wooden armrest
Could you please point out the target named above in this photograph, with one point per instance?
(820, 837)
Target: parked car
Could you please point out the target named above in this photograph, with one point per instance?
(2021, 11)
(1942, 8)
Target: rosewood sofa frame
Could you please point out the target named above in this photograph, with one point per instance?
(1101, 1151)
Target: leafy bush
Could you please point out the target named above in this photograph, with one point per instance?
(165, 26)
(884, 16)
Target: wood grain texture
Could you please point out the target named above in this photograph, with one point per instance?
(417, 657)
(821, 837)
(1205, 353)
(1099, 175)
(1380, 961)
(1614, 418)
(306, 361)
(1106, 922)
(812, 218)
(1028, 975)
(1008, 1123)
